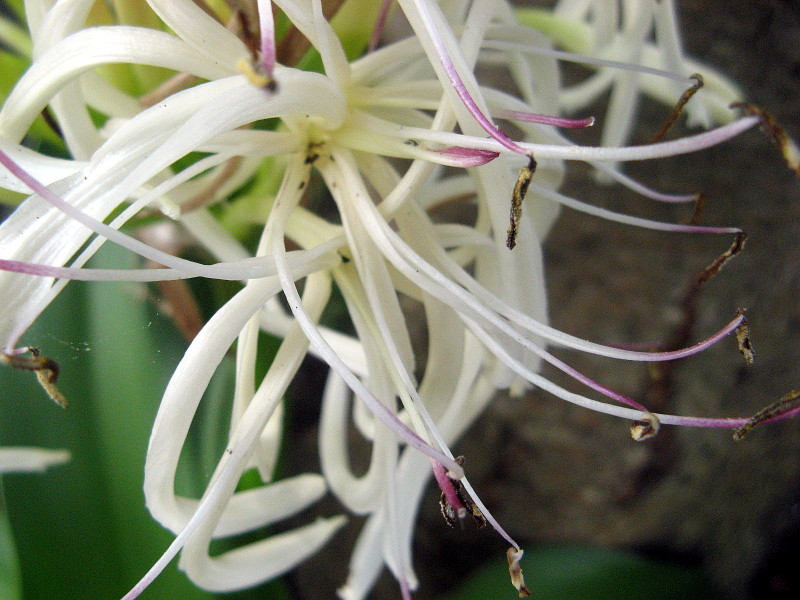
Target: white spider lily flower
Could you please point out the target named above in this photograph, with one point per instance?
(484, 305)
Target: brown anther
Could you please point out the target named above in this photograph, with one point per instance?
(772, 128)
(648, 427)
(787, 403)
(520, 189)
(255, 74)
(514, 555)
(714, 268)
(450, 515)
(699, 205)
(46, 371)
(743, 339)
(676, 111)
(453, 515)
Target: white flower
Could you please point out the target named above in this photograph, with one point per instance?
(417, 99)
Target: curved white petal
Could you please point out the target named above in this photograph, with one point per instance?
(358, 494)
(207, 37)
(182, 398)
(44, 168)
(258, 562)
(89, 48)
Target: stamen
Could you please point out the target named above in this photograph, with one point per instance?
(782, 407)
(661, 374)
(520, 189)
(714, 268)
(743, 339)
(255, 75)
(676, 112)
(450, 502)
(267, 29)
(778, 134)
(514, 555)
(648, 427)
(455, 502)
(46, 370)
(380, 25)
(437, 33)
(563, 122)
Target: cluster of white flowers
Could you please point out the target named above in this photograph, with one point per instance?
(416, 99)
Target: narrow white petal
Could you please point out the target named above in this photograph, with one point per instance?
(17, 459)
(44, 168)
(257, 562)
(89, 48)
(215, 44)
(358, 494)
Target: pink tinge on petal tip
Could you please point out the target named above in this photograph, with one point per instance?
(562, 122)
(468, 157)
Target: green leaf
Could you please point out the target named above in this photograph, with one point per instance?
(10, 583)
(82, 529)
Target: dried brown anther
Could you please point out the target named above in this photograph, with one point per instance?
(787, 403)
(46, 371)
(520, 189)
(648, 427)
(453, 515)
(676, 112)
(514, 555)
(778, 134)
(743, 339)
(714, 268)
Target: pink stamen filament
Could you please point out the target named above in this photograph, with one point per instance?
(380, 25)
(239, 270)
(458, 84)
(720, 423)
(628, 219)
(448, 489)
(134, 245)
(605, 408)
(591, 383)
(527, 117)
(267, 25)
(686, 145)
